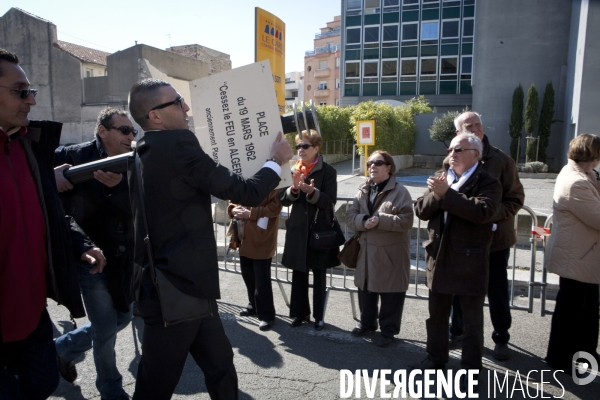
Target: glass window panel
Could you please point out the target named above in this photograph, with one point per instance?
(388, 89)
(428, 51)
(431, 14)
(410, 16)
(388, 68)
(352, 70)
(429, 30)
(427, 87)
(408, 88)
(405, 2)
(410, 51)
(428, 66)
(468, 27)
(466, 65)
(353, 4)
(372, 3)
(372, 34)
(449, 65)
(450, 29)
(469, 11)
(352, 54)
(410, 31)
(465, 87)
(370, 89)
(370, 69)
(390, 33)
(451, 12)
(371, 54)
(354, 20)
(390, 2)
(467, 48)
(447, 50)
(372, 19)
(353, 35)
(389, 17)
(409, 67)
(448, 87)
(390, 52)
(351, 90)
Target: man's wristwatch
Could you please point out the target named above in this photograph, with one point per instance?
(274, 160)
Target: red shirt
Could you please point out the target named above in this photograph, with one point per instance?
(23, 256)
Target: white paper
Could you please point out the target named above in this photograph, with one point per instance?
(262, 222)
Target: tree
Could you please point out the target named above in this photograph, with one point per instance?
(531, 121)
(443, 128)
(546, 120)
(516, 122)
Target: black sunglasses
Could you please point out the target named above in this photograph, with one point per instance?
(377, 163)
(458, 150)
(23, 93)
(124, 129)
(178, 100)
(303, 146)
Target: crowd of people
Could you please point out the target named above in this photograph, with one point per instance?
(103, 242)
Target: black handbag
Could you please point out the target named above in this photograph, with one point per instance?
(324, 235)
(175, 305)
(349, 253)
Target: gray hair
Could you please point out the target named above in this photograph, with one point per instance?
(473, 140)
(458, 121)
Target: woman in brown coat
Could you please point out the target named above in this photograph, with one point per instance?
(383, 215)
(258, 239)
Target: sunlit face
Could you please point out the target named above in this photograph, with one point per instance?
(307, 155)
(472, 124)
(113, 140)
(171, 117)
(13, 109)
(466, 158)
(381, 172)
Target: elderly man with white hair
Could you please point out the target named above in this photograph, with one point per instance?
(502, 167)
(461, 204)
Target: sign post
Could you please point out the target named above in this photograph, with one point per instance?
(365, 136)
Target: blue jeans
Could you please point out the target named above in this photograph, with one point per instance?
(99, 334)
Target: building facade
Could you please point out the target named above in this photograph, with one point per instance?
(294, 88)
(322, 66)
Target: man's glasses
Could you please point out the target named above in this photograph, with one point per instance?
(23, 93)
(178, 100)
(377, 163)
(458, 150)
(303, 146)
(124, 129)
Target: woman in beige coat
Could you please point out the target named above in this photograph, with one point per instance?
(572, 252)
(382, 213)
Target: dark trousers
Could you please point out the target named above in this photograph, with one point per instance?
(33, 361)
(498, 298)
(299, 305)
(257, 277)
(165, 349)
(574, 323)
(437, 329)
(390, 313)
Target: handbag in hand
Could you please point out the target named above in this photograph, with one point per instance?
(349, 253)
(325, 236)
(175, 306)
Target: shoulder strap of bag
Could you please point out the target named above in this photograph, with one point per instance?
(138, 174)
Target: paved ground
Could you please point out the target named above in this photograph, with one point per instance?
(288, 363)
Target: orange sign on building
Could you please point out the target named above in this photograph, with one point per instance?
(270, 45)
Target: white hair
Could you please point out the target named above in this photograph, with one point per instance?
(473, 140)
(458, 121)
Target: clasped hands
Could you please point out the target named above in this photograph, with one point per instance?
(371, 222)
(240, 212)
(438, 186)
(300, 183)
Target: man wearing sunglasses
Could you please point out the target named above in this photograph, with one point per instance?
(178, 178)
(101, 207)
(499, 165)
(37, 242)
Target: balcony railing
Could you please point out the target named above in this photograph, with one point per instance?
(330, 48)
(321, 93)
(335, 32)
(322, 73)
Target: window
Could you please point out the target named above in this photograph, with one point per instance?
(89, 72)
(390, 33)
(466, 65)
(294, 93)
(337, 62)
(323, 64)
(337, 102)
(409, 67)
(449, 65)
(390, 2)
(372, 3)
(371, 34)
(410, 31)
(352, 70)
(353, 4)
(323, 85)
(406, 2)
(429, 30)
(337, 83)
(322, 103)
(370, 69)
(389, 68)
(468, 25)
(353, 35)
(450, 29)
(428, 66)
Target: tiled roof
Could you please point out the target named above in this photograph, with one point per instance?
(82, 53)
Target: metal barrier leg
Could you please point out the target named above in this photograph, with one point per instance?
(353, 304)
(327, 290)
(284, 294)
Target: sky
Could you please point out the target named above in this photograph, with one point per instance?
(225, 25)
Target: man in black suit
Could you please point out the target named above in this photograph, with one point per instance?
(178, 180)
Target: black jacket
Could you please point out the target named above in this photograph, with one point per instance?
(105, 215)
(66, 242)
(178, 178)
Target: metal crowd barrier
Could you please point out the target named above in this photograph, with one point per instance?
(340, 277)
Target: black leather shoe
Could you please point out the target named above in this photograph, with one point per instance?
(67, 369)
(265, 325)
(246, 312)
(319, 325)
(299, 320)
(501, 352)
